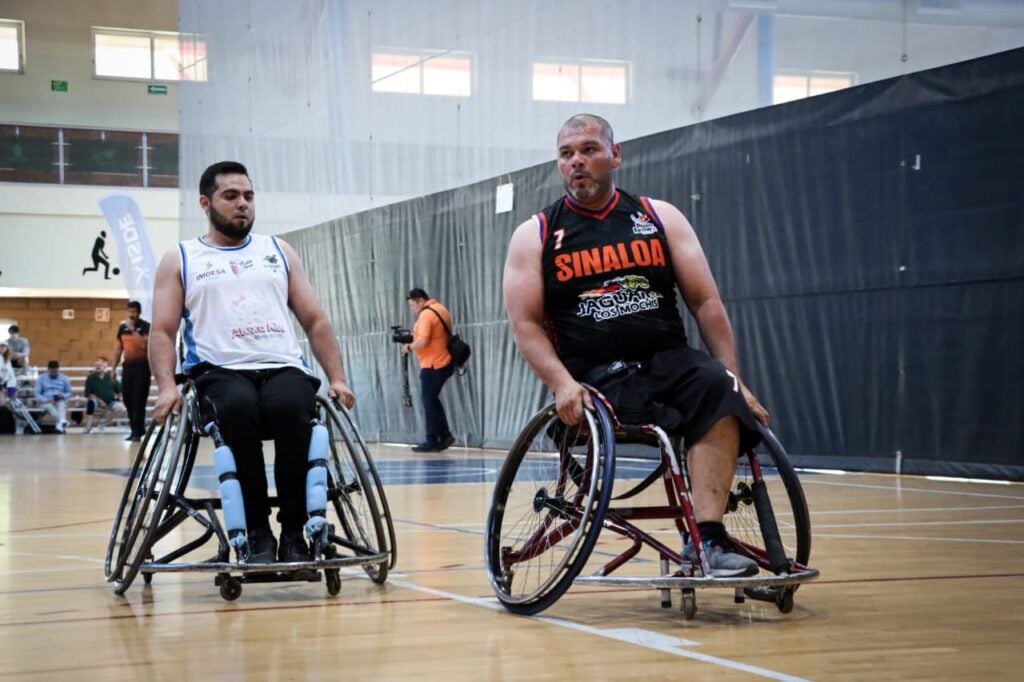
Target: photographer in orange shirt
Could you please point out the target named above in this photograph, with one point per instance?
(430, 343)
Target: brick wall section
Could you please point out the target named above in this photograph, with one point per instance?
(74, 342)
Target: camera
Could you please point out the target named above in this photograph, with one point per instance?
(400, 334)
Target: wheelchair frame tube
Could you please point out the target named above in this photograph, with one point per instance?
(316, 480)
(232, 502)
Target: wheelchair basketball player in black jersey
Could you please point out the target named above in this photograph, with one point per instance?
(590, 288)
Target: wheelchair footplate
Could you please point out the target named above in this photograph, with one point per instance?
(680, 580)
(764, 586)
(305, 571)
(231, 575)
(253, 570)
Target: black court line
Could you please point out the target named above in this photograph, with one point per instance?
(63, 525)
(225, 608)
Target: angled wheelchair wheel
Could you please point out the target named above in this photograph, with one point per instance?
(125, 530)
(355, 495)
(155, 473)
(548, 506)
(786, 501)
(361, 450)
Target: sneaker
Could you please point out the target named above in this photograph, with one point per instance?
(723, 563)
(293, 547)
(425, 447)
(262, 546)
(87, 429)
(62, 427)
(446, 442)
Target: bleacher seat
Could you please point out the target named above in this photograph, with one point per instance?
(76, 404)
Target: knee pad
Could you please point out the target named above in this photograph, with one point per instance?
(231, 500)
(316, 480)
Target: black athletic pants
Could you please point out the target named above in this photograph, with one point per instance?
(135, 378)
(251, 405)
(431, 383)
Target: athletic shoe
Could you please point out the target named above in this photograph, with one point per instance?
(293, 547)
(262, 546)
(723, 562)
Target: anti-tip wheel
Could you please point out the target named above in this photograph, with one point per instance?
(333, 579)
(784, 599)
(689, 605)
(231, 589)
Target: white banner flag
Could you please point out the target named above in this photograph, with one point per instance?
(136, 254)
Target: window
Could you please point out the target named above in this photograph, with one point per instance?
(422, 73)
(12, 46)
(87, 156)
(149, 55)
(589, 81)
(792, 85)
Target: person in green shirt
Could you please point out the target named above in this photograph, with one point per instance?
(102, 393)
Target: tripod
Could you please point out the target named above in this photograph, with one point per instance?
(406, 392)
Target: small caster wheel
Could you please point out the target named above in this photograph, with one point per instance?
(231, 589)
(784, 599)
(689, 605)
(333, 579)
(739, 596)
(147, 578)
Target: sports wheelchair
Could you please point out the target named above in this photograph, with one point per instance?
(554, 495)
(350, 521)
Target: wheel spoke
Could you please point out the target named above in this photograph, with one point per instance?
(545, 513)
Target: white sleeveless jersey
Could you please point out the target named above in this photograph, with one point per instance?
(236, 305)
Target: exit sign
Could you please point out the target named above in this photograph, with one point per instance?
(59, 86)
(157, 89)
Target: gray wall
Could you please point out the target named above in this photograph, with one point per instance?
(290, 92)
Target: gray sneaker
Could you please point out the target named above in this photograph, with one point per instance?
(723, 563)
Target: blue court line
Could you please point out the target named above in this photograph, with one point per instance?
(419, 471)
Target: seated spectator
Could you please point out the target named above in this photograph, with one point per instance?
(103, 394)
(8, 384)
(52, 392)
(18, 346)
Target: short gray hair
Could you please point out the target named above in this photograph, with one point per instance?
(587, 120)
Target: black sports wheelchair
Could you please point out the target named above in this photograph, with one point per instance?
(553, 497)
(349, 519)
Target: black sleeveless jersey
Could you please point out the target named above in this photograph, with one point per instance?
(609, 287)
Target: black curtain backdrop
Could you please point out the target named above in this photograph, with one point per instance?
(867, 243)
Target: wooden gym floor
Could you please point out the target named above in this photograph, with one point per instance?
(920, 579)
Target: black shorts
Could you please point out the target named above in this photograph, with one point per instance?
(682, 390)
